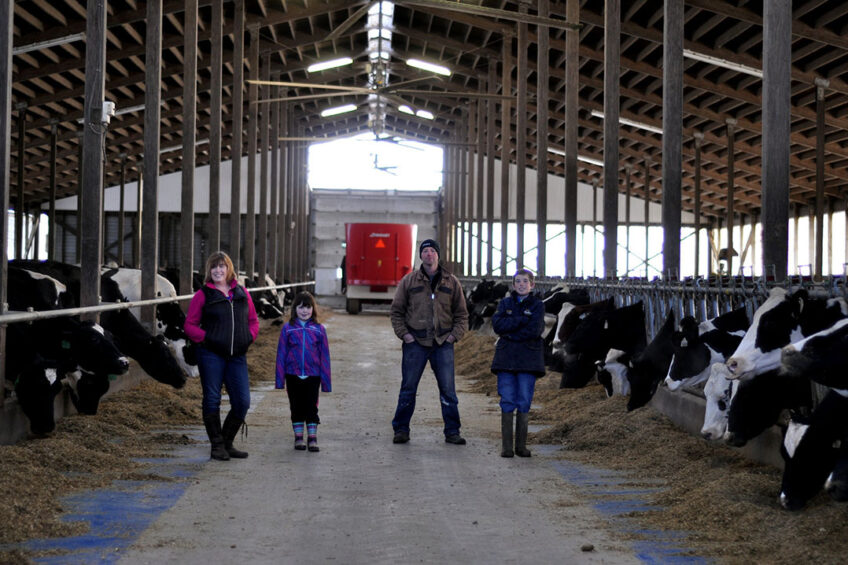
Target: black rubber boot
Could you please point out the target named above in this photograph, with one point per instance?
(521, 435)
(213, 430)
(231, 428)
(506, 434)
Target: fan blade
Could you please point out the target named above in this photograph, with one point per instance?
(343, 27)
(394, 87)
(309, 97)
(358, 89)
(452, 94)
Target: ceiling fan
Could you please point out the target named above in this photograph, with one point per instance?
(385, 168)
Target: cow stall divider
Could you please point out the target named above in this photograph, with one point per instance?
(13, 423)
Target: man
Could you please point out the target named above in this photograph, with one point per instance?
(429, 315)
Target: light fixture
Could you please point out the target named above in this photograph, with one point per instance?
(425, 114)
(338, 110)
(633, 123)
(591, 161)
(430, 67)
(331, 64)
(48, 43)
(724, 63)
(406, 109)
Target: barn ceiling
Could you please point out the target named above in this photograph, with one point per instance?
(49, 81)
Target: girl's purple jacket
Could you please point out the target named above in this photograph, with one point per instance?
(303, 350)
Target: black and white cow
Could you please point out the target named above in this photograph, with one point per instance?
(45, 353)
(170, 318)
(602, 329)
(698, 346)
(482, 301)
(650, 366)
(759, 402)
(151, 352)
(269, 304)
(782, 319)
(811, 449)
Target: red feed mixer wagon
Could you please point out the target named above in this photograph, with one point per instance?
(376, 259)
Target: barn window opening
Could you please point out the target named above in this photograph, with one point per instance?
(364, 163)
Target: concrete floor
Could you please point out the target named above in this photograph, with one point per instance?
(363, 499)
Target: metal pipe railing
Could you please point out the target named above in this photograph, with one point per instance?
(7, 317)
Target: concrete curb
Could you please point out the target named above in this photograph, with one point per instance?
(14, 425)
(686, 410)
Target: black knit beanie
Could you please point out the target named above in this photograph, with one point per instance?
(429, 243)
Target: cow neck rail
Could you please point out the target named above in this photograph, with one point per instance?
(30, 316)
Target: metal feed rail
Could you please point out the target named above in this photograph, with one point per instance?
(8, 317)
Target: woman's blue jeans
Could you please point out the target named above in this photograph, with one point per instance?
(415, 358)
(216, 371)
(516, 391)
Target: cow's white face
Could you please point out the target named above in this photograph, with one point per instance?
(176, 347)
(719, 392)
(748, 359)
(563, 312)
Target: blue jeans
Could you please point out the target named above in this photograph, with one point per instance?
(216, 371)
(516, 391)
(415, 357)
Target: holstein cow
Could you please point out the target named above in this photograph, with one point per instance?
(170, 318)
(482, 301)
(719, 391)
(152, 353)
(648, 368)
(601, 330)
(783, 318)
(759, 401)
(576, 366)
(810, 450)
(698, 346)
(269, 304)
(43, 353)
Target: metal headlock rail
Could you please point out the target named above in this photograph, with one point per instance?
(701, 298)
(8, 317)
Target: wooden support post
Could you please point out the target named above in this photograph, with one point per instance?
(152, 121)
(237, 147)
(612, 71)
(94, 133)
(189, 136)
(215, 87)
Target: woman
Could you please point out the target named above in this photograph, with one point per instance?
(222, 320)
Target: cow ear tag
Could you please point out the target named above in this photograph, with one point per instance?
(113, 377)
(66, 344)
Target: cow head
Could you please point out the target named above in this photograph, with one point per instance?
(822, 357)
(93, 349)
(719, 392)
(773, 326)
(810, 450)
(758, 403)
(159, 362)
(650, 366)
(36, 387)
(86, 390)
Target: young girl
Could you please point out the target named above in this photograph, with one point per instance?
(519, 358)
(303, 365)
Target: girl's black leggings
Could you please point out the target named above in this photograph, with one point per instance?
(303, 398)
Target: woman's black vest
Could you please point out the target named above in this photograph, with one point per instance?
(225, 322)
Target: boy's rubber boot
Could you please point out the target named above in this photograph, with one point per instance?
(506, 434)
(231, 428)
(521, 435)
(213, 430)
